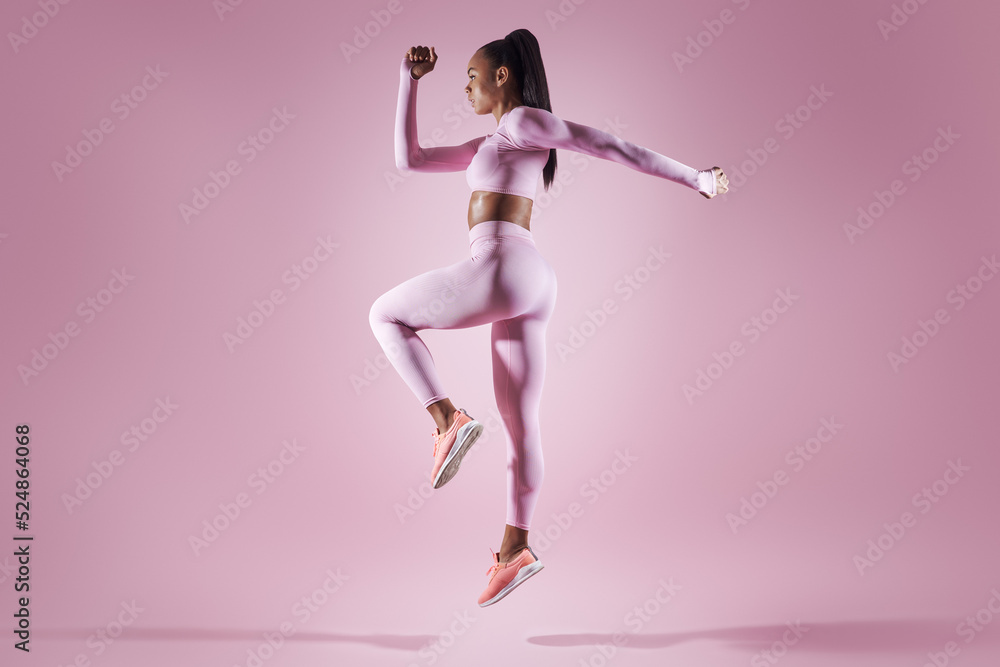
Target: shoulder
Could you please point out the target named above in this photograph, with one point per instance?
(525, 120)
(526, 113)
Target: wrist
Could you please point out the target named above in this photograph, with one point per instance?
(406, 69)
(706, 181)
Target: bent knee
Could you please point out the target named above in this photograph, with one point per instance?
(378, 313)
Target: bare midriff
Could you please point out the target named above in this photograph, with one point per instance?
(485, 205)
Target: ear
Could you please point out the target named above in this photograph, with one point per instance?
(503, 75)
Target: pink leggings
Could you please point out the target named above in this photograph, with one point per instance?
(508, 283)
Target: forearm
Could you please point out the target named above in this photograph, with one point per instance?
(410, 156)
(406, 145)
(650, 162)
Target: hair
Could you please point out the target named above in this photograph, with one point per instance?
(520, 53)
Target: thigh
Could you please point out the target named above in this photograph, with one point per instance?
(461, 295)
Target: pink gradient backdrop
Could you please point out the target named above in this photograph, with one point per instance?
(364, 449)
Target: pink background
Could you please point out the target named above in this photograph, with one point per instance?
(409, 582)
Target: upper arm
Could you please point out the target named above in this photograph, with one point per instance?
(538, 129)
(447, 158)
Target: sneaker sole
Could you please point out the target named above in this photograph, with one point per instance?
(464, 439)
(519, 578)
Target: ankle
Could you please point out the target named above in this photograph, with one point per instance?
(443, 414)
(445, 423)
(507, 555)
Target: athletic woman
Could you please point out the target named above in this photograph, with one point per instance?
(506, 282)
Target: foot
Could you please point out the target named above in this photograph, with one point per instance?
(505, 577)
(452, 445)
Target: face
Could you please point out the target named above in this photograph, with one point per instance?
(483, 88)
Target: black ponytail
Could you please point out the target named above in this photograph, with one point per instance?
(520, 53)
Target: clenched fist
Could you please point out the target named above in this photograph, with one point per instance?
(424, 57)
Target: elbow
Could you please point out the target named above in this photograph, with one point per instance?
(407, 162)
(406, 166)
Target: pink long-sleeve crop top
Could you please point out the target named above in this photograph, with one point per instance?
(511, 159)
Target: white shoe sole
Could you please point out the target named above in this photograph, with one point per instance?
(464, 439)
(518, 579)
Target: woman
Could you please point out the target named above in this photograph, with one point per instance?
(506, 281)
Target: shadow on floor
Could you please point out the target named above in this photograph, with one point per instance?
(846, 636)
(392, 641)
(863, 636)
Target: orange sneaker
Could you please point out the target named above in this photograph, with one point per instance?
(452, 446)
(505, 577)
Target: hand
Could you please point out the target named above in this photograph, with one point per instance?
(424, 58)
(721, 183)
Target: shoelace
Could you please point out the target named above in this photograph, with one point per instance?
(497, 566)
(437, 439)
